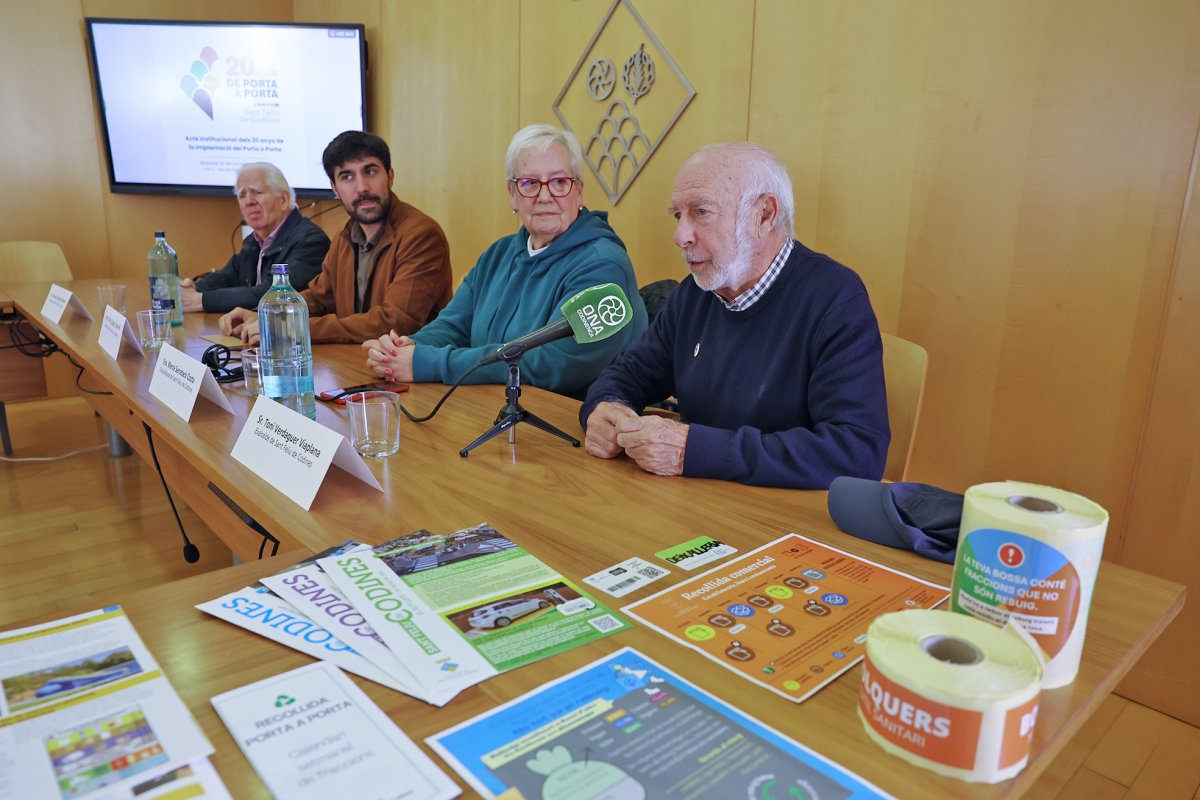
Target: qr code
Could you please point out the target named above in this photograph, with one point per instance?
(650, 571)
(605, 623)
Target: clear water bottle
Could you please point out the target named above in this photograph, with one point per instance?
(164, 278)
(284, 347)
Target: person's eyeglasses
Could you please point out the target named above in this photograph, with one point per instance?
(532, 187)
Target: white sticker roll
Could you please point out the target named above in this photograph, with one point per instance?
(950, 693)
(1030, 554)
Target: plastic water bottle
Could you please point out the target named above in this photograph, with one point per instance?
(164, 278)
(284, 347)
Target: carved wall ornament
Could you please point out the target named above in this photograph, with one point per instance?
(617, 142)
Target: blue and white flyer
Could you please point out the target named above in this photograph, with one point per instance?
(626, 727)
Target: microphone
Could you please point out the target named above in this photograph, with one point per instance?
(591, 315)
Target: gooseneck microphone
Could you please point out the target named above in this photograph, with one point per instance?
(591, 315)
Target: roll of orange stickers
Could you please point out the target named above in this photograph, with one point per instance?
(950, 693)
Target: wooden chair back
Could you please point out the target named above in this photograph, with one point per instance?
(904, 366)
(21, 262)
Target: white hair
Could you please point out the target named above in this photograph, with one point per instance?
(275, 180)
(762, 174)
(540, 138)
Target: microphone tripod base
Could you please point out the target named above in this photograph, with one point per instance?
(513, 413)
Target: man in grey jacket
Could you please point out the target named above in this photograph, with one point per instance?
(280, 235)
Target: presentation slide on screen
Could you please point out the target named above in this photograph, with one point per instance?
(191, 104)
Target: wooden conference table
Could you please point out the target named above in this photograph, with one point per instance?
(577, 513)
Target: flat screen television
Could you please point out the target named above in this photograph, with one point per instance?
(184, 104)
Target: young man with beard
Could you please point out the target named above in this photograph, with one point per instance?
(772, 350)
(388, 269)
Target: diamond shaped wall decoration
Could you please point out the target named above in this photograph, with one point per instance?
(622, 98)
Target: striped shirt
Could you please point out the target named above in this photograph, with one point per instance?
(755, 292)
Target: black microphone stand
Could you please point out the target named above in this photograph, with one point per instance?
(513, 413)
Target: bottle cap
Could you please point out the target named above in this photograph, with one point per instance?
(279, 269)
(160, 234)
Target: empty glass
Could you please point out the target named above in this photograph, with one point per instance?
(374, 423)
(154, 325)
(112, 294)
(251, 372)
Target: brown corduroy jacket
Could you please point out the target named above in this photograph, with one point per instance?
(410, 283)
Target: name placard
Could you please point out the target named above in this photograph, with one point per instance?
(179, 379)
(59, 300)
(292, 453)
(114, 329)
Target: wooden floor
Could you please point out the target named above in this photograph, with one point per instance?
(72, 530)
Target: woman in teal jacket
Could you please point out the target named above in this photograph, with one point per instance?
(519, 283)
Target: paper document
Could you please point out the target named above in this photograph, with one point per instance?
(312, 733)
(86, 712)
(625, 727)
(790, 616)
(460, 608)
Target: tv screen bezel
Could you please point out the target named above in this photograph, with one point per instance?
(200, 190)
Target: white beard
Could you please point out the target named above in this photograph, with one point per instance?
(732, 273)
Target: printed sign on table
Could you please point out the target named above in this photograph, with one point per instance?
(179, 379)
(115, 329)
(292, 452)
(58, 300)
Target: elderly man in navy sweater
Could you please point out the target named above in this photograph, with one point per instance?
(772, 350)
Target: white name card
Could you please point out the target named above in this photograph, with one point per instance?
(292, 453)
(179, 379)
(115, 329)
(59, 300)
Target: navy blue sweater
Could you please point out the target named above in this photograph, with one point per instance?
(786, 393)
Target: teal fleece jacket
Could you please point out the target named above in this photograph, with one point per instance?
(508, 293)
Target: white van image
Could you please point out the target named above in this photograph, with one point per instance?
(501, 614)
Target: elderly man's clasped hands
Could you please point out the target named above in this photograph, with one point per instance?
(656, 443)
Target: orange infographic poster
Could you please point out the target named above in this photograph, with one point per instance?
(791, 615)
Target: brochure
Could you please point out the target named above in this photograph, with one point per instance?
(257, 610)
(311, 733)
(626, 727)
(459, 608)
(316, 596)
(86, 712)
(791, 615)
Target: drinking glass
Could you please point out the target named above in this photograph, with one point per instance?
(251, 371)
(155, 327)
(112, 294)
(374, 423)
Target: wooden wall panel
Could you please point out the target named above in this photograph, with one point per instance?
(1107, 149)
(448, 107)
(52, 178)
(836, 95)
(1164, 510)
